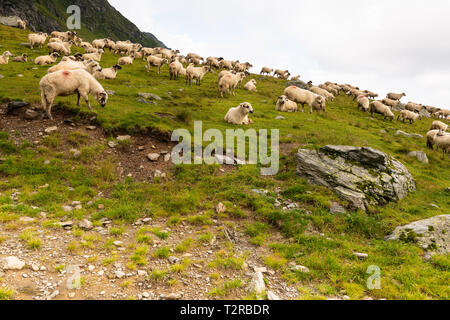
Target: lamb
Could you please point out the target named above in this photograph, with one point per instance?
(90, 66)
(321, 92)
(108, 73)
(363, 103)
(391, 103)
(239, 115)
(408, 115)
(65, 83)
(175, 69)
(380, 108)
(94, 56)
(442, 141)
(126, 60)
(229, 82)
(21, 24)
(22, 58)
(4, 58)
(286, 105)
(37, 39)
(251, 85)
(197, 74)
(156, 62)
(266, 71)
(44, 60)
(396, 96)
(438, 125)
(314, 101)
(61, 47)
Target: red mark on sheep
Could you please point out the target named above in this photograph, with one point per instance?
(66, 73)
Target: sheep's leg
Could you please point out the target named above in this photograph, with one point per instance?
(86, 98)
(78, 98)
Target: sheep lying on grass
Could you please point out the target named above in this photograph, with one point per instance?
(378, 107)
(126, 60)
(44, 60)
(108, 73)
(314, 101)
(286, 105)
(239, 115)
(251, 85)
(94, 56)
(4, 58)
(22, 58)
(438, 125)
(408, 115)
(69, 82)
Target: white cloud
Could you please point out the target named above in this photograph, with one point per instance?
(380, 45)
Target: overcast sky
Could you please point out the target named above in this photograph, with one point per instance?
(380, 45)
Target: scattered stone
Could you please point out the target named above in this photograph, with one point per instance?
(153, 157)
(30, 114)
(431, 234)
(75, 153)
(257, 285)
(20, 75)
(260, 269)
(419, 155)
(412, 135)
(362, 176)
(27, 220)
(118, 243)
(336, 208)
(91, 128)
(124, 138)
(110, 92)
(50, 130)
(300, 268)
(66, 225)
(101, 207)
(112, 144)
(299, 83)
(362, 256)
(272, 296)
(67, 208)
(173, 260)
(85, 225)
(174, 296)
(167, 157)
(434, 206)
(280, 118)
(149, 96)
(221, 208)
(146, 295)
(71, 295)
(12, 263)
(142, 273)
(120, 274)
(159, 174)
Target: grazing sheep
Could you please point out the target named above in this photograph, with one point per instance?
(314, 101)
(281, 73)
(251, 85)
(94, 56)
(213, 62)
(91, 50)
(109, 44)
(442, 141)
(229, 82)
(225, 64)
(321, 92)
(396, 96)
(62, 48)
(148, 52)
(4, 58)
(197, 74)
(22, 58)
(37, 39)
(90, 66)
(286, 105)
(21, 24)
(363, 103)
(380, 108)
(371, 94)
(55, 40)
(175, 69)
(65, 83)
(108, 73)
(438, 125)
(239, 115)
(408, 115)
(65, 36)
(414, 107)
(126, 47)
(442, 114)
(156, 62)
(328, 88)
(266, 71)
(296, 78)
(191, 56)
(99, 43)
(126, 60)
(44, 60)
(391, 103)
(224, 72)
(430, 138)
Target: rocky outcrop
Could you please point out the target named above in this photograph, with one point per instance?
(431, 234)
(361, 176)
(298, 83)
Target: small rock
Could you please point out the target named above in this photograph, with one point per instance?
(146, 295)
(86, 225)
(91, 128)
(142, 273)
(174, 296)
(31, 114)
(167, 157)
(71, 295)
(67, 208)
(118, 243)
(120, 274)
(12, 263)
(257, 285)
(419, 155)
(173, 260)
(67, 224)
(337, 208)
(280, 118)
(300, 268)
(221, 208)
(75, 153)
(112, 144)
(149, 96)
(101, 207)
(153, 156)
(124, 138)
(110, 92)
(27, 220)
(362, 256)
(50, 130)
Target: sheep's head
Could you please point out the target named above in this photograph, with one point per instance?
(246, 107)
(55, 55)
(7, 54)
(282, 100)
(102, 98)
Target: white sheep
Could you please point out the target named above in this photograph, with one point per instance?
(175, 69)
(239, 115)
(21, 24)
(4, 58)
(314, 101)
(430, 138)
(90, 66)
(94, 56)
(408, 115)
(197, 74)
(266, 71)
(391, 103)
(108, 73)
(414, 107)
(62, 48)
(126, 60)
(251, 85)
(224, 72)
(37, 39)
(22, 58)
(321, 92)
(44, 60)
(225, 64)
(363, 103)
(442, 141)
(229, 82)
(396, 96)
(99, 43)
(296, 78)
(281, 73)
(380, 108)
(66, 36)
(286, 105)
(65, 83)
(438, 125)
(156, 62)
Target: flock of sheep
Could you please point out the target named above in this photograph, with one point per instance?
(79, 74)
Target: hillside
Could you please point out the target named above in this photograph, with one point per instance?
(156, 232)
(99, 19)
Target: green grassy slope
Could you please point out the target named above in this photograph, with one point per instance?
(405, 275)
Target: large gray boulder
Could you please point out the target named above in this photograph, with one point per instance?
(11, 21)
(298, 83)
(362, 176)
(431, 234)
